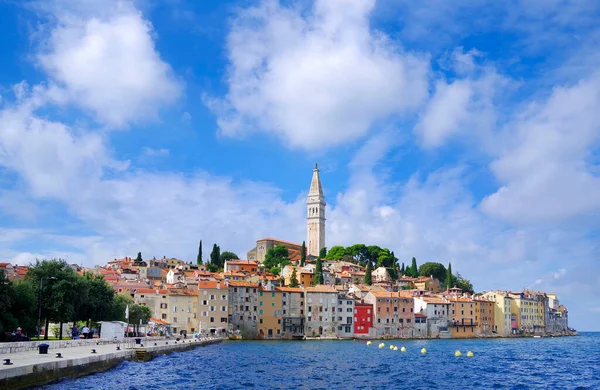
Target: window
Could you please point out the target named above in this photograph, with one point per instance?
(260, 321)
(260, 312)
(212, 319)
(164, 316)
(348, 320)
(174, 319)
(260, 303)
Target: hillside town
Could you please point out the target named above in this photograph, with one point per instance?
(285, 290)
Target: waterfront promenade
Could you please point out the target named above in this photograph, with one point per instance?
(29, 368)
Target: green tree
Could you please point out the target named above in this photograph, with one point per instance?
(303, 254)
(385, 258)
(294, 279)
(464, 284)
(226, 256)
(275, 270)
(414, 270)
(369, 274)
(359, 253)
(199, 257)
(215, 256)
(319, 272)
(373, 254)
(25, 309)
(277, 256)
(436, 270)
(139, 259)
(336, 253)
(139, 314)
(7, 320)
(402, 270)
(323, 252)
(63, 291)
(449, 277)
(99, 301)
(116, 311)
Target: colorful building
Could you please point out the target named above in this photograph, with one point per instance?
(321, 305)
(363, 319)
(270, 312)
(213, 306)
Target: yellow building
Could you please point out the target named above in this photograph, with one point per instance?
(269, 312)
(183, 311)
(529, 309)
(502, 311)
(463, 314)
(306, 278)
(484, 315)
(213, 306)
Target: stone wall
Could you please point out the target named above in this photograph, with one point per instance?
(24, 346)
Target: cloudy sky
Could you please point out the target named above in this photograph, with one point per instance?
(457, 132)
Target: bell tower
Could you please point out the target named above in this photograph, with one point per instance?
(315, 218)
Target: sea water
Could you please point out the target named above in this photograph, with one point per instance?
(525, 363)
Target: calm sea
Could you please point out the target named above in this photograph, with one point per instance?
(545, 363)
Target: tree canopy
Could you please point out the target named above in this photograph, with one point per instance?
(294, 279)
(323, 252)
(226, 256)
(319, 272)
(276, 256)
(199, 257)
(436, 270)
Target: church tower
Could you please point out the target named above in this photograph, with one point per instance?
(315, 219)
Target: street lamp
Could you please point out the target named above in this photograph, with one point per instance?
(40, 300)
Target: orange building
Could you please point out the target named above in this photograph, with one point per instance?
(463, 312)
(249, 266)
(484, 310)
(270, 313)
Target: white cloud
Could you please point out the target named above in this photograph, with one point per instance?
(149, 152)
(109, 64)
(318, 80)
(464, 106)
(544, 162)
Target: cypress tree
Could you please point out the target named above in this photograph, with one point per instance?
(319, 272)
(138, 259)
(303, 254)
(323, 252)
(414, 269)
(449, 277)
(199, 258)
(369, 274)
(402, 270)
(294, 279)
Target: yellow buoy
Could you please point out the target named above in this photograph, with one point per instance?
(395, 348)
(368, 343)
(402, 349)
(423, 350)
(470, 354)
(457, 353)
(391, 347)
(381, 345)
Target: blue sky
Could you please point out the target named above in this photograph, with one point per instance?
(450, 131)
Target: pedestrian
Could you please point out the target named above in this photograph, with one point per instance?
(84, 331)
(74, 332)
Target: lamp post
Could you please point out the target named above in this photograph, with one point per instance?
(40, 300)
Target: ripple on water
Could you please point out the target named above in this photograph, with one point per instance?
(499, 364)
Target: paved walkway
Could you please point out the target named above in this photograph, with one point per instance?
(31, 361)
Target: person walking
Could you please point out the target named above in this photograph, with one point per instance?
(84, 331)
(74, 332)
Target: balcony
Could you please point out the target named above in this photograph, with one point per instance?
(464, 323)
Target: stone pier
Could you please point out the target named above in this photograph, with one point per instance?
(30, 368)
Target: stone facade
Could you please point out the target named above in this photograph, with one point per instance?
(213, 306)
(243, 308)
(293, 312)
(315, 207)
(321, 305)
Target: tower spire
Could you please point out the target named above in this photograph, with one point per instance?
(315, 184)
(315, 218)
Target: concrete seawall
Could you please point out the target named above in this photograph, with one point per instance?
(30, 368)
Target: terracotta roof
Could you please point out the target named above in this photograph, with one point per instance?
(159, 321)
(151, 291)
(251, 262)
(282, 241)
(320, 288)
(420, 315)
(289, 289)
(236, 283)
(210, 284)
(435, 300)
(4, 265)
(381, 294)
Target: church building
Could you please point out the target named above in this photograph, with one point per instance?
(315, 227)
